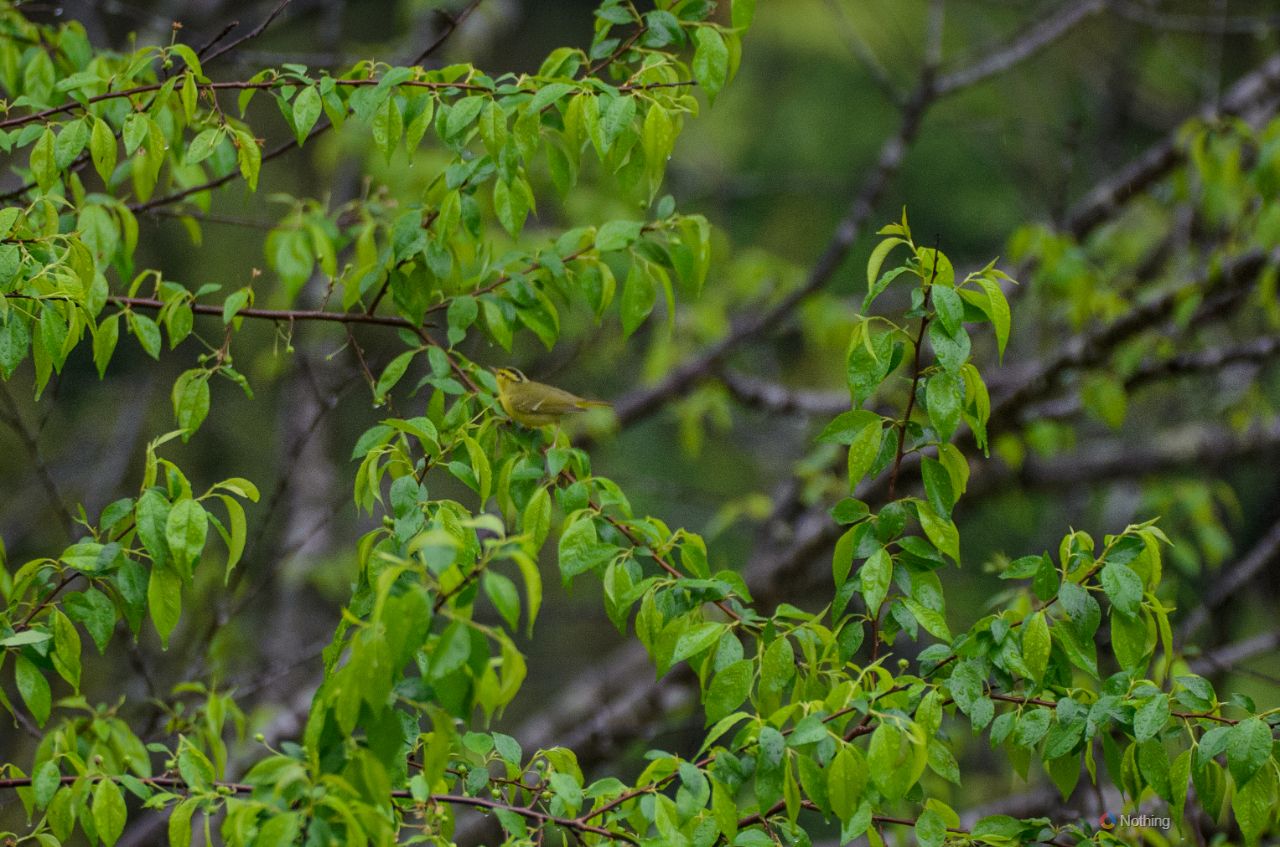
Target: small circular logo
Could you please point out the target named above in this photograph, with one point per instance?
(1107, 821)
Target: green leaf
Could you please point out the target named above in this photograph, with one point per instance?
(512, 203)
(451, 650)
(1133, 640)
(102, 148)
(186, 530)
(42, 164)
(66, 648)
(770, 766)
(72, 138)
(1036, 646)
(728, 689)
(777, 666)
(147, 333)
(941, 531)
(842, 559)
(930, 829)
(249, 157)
(95, 612)
(616, 235)
(501, 591)
(878, 255)
(180, 823)
(997, 310)
(874, 577)
(463, 114)
(846, 781)
(896, 759)
(864, 448)
(108, 811)
(710, 60)
(195, 768)
(696, 639)
(1248, 749)
(164, 599)
(581, 549)
(638, 296)
(15, 340)
(944, 399)
(45, 783)
(869, 359)
(949, 308)
(33, 688)
(952, 349)
(1151, 717)
(1254, 805)
(306, 110)
(1123, 588)
(237, 533)
(937, 486)
(191, 400)
(392, 374)
(105, 338)
(934, 622)
(152, 517)
(203, 145)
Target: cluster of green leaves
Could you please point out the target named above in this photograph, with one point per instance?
(131, 564)
(64, 248)
(808, 727)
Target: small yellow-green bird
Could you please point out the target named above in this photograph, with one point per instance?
(534, 404)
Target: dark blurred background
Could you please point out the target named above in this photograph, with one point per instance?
(774, 165)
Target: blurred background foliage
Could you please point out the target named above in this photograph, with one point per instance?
(994, 170)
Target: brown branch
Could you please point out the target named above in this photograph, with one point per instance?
(251, 34)
(1023, 46)
(31, 442)
(277, 315)
(1107, 197)
(1226, 658)
(1052, 704)
(528, 813)
(1089, 349)
(455, 21)
(282, 82)
(1229, 581)
(1198, 24)
(917, 362)
(1184, 364)
(644, 402)
(218, 182)
(775, 398)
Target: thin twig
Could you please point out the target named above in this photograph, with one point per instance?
(251, 34)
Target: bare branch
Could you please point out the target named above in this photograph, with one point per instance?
(1095, 463)
(454, 21)
(251, 34)
(1228, 657)
(863, 53)
(31, 442)
(1231, 580)
(1023, 46)
(780, 399)
(1198, 24)
(1102, 202)
(640, 404)
(1184, 364)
